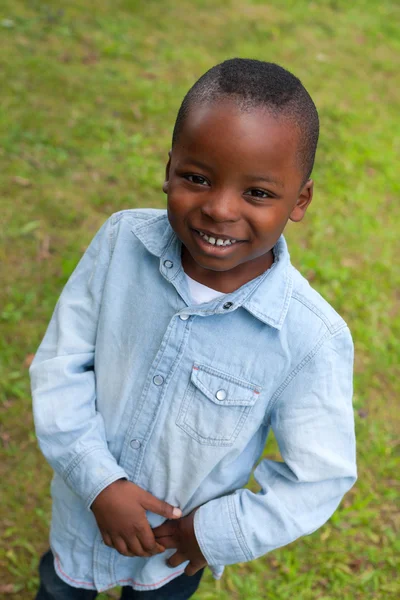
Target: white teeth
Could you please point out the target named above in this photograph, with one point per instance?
(216, 241)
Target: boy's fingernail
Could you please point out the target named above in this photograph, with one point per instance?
(177, 513)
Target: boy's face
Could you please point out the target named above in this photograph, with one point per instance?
(233, 180)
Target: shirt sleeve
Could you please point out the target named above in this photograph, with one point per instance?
(313, 423)
(70, 431)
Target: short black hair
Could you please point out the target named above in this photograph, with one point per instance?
(258, 84)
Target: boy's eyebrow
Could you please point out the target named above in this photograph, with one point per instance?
(198, 163)
(268, 179)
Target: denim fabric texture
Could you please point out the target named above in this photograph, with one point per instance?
(133, 380)
(54, 588)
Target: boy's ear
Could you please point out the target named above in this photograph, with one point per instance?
(168, 165)
(303, 201)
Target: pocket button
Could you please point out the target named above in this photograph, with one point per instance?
(220, 395)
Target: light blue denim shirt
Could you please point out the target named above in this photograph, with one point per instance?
(133, 380)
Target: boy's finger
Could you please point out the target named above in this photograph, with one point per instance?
(168, 541)
(107, 540)
(167, 528)
(148, 541)
(135, 548)
(120, 546)
(177, 559)
(192, 569)
(159, 507)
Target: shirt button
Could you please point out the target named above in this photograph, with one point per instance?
(158, 380)
(135, 444)
(184, 317)
(168, 264)
(227, 305)
(220, 395)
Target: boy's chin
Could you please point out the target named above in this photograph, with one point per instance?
(220, 265)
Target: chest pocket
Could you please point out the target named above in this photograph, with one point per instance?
(216, 406)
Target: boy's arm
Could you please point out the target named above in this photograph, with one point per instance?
(70, 431)
(314, 426)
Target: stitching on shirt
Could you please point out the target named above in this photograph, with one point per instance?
(166, 250)
(201, 541)
(209, 441)
(117, 217)
(151, 245)
(236, 526)
(245, 297)
(332, 327)
(133, 418)
(135, 214)
(150, 220)
(301, 365)
(119, 580)
(152, 584)
(75, 462)
(217, 373)
(171, 241)
(70, 578)
(263, 317)
(288, 295)
(170, 375)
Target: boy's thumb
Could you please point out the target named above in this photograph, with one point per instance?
(160, 507)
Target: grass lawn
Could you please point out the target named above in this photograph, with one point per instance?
(89, 93)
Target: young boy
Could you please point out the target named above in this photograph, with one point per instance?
(182, 337)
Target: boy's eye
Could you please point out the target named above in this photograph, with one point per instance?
(257, 193)
(197, 179)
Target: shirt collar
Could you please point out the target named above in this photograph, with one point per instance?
(267, 297)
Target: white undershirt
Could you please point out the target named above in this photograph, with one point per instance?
(201, 293)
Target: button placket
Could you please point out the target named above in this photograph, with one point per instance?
(151, 400)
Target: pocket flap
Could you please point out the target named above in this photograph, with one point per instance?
(223, 389)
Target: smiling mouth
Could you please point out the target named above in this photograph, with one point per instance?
(215, 240)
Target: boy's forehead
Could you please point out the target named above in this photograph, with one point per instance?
(223, 128)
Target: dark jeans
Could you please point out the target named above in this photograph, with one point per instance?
(54, 588)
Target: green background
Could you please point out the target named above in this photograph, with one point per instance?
(88, 96)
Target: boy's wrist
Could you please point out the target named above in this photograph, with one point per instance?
(106, 490)
(118, 475)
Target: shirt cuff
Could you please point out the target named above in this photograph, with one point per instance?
(92, 472)
(218, 533)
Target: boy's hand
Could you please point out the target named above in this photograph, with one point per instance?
(120, 511)
(180, 535)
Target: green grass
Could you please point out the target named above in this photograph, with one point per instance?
(89, 93)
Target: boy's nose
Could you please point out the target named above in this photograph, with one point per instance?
(221, 207)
